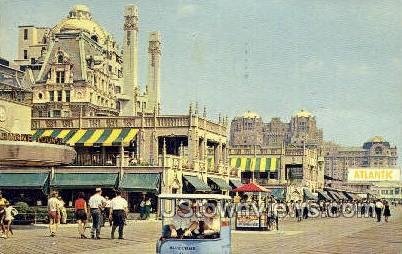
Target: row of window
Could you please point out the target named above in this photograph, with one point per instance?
(57, 96)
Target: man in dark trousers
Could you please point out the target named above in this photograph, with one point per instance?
(378, 209)
(118, 212)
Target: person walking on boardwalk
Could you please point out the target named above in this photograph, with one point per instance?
(387, 211)
(118, 212)
(96, 203)
(378, 209)
(81, 214)
(53, 206)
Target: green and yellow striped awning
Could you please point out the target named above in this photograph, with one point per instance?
(256, 164)
(89, 137)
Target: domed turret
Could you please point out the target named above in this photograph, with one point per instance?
(250, 114)
(80, 19)
(303, 113)
(376, 139)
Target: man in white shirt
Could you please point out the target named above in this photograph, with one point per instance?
(118, 213)
(96, 203)
(378, 209)
(53, 206)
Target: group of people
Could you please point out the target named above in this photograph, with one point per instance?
(97, 206)
(7, 213)
(188, 224)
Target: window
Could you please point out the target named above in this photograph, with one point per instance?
(59, 95)
(25, 34)
(25, 54)
(60, 59)
(128, 37)
(67, 96)
(40, 96)
(51, 95)
(60, 76)
(56, 113)
(273, 175)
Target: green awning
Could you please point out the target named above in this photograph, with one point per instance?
(278, 193)
(236, 183)
(308, 195)
(221, 183)
(322, 195)
(23, 180)
(140, 182)
(197, 183)
(333, 195)
(341, 195)
(83, 180)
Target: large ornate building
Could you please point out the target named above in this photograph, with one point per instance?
(249, 129)
(283, 156)
(78, 69)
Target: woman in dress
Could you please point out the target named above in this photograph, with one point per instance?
(387, 211)
(81, 212)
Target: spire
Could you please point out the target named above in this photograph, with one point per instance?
(205, 112)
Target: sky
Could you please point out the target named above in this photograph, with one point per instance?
(339, 60)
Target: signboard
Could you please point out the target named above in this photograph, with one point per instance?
(373, 174)
(247, 220)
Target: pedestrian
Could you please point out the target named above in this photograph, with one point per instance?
(387, 211)
(148, 207)
(118, 213)
(298, 211)
(370, 209)
(106, 212)
(305, 210)
(10, 212)
(81, 214)
(378, 209)
(63, 212)
(273, 213)
(142, 208)
(54, 213)
(2, 214)
(96, 204)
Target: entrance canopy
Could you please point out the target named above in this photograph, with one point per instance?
(255, 164)
(251, 187)
(83, 180)
(198, 185)
(140, 182)
(90, 137)
(23, 180)
(220, 183)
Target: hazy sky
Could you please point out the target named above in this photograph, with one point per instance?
(340, 60)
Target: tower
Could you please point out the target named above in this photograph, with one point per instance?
(154, 59)
(130, 60)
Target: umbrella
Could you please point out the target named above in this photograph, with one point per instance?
(250, 187)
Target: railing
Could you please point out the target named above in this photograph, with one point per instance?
(96, 160)
(146, 121)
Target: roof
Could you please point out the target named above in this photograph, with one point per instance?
(376, 139)
(303, 113)
(250, 114)
(194, 196)
(80, 18)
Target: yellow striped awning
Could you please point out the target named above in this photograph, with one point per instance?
(256, 164)
(90, 137)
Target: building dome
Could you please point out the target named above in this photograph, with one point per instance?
(80, 19)
(303, 113)
(376, 139)
(250, 114)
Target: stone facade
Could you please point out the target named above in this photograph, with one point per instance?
(77, 68)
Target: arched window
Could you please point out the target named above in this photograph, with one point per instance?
(60, 58)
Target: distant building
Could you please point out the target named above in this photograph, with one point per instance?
(249, 129)
(78, 69)
(375, 153)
